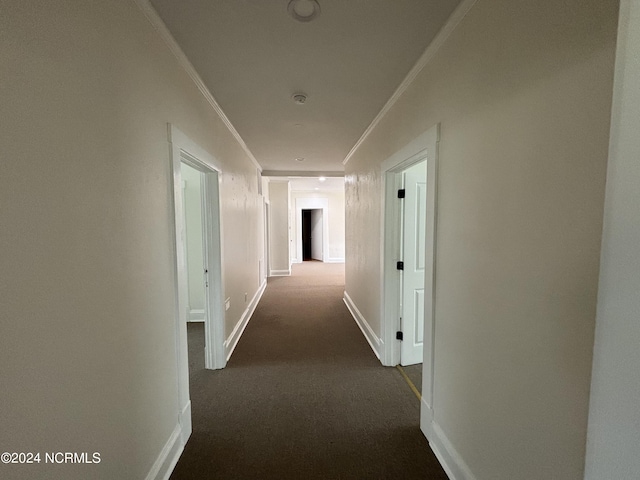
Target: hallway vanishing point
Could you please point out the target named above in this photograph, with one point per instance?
(303, 396)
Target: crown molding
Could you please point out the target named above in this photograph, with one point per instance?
(456, 17)
(157, 23)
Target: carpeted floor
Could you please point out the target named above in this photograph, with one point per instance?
(414, 372)
(303, 396)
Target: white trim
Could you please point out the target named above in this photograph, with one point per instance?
(426, 419)
(231, 342)
(180, 269)
(312, 203)
(163, 31)
(335, 260)
(192, 149)
(266, 249)
(428, 362)
(416, 146)
(185, 423)
(279, 273)
(168, 457)
(456, 17)
(183, 150)
(451, 461)
(425, 146)
(214, 326)
(375, 342)
(196, 315)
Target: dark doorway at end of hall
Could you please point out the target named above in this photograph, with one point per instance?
(312, 235)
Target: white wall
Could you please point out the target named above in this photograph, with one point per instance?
(614, 417)
(87, 346)
(522, 91)
(336, 233)
(193, 231)
(279, 228)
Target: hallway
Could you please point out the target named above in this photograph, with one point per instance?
(303, 396)
(528, 114)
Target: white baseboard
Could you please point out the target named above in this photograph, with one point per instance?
(374, 341)
(166, 461)
(231, 342)
(280, 273)
(335, 260)
(196, 315)
(185, 422)
(451, 461)
(426, 419)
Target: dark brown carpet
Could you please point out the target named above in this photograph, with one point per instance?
(303, 396)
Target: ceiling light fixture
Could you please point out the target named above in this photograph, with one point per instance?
(303, 10)
(322, 179)
(299, 98)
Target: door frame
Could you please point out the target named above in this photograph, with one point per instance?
(312, 237)
(424, 147)
(312, 203)
(184, 150)
(267, 233)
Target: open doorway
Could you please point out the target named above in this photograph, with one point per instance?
(205, 274)
(314, 242)
(199, 262)
(312, 234)
(410, 179)
(316, 224)
(194, 253)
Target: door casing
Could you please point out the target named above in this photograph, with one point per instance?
(312, 203)
(317, 240)
(423, 147)
(184, 150)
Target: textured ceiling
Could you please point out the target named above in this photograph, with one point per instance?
(253, 56)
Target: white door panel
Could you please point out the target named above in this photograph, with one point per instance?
(316, 235)
(421, 223)
(413, 255)
(418, 302)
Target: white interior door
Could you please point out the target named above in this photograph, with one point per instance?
(316, 234)
(215, 351)
(267, 261)
(414, 257)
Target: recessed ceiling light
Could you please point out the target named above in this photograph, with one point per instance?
(299, 98)
(303, 10)
(300, 159)
(322, 179)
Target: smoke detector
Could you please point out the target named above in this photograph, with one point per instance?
(303, 10)
(299, 98)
